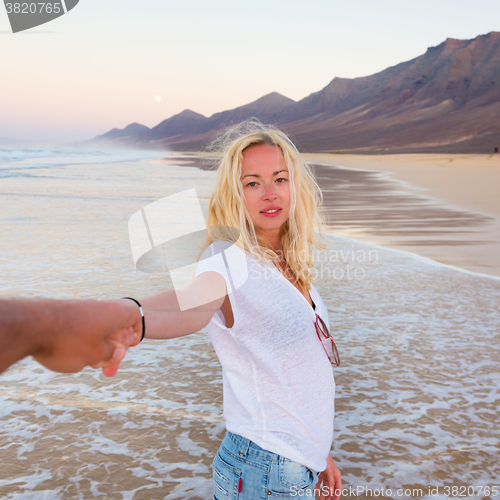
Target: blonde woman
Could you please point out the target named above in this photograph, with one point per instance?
(267, 322)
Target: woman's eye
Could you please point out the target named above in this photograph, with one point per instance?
(282, 179)
(250, 184)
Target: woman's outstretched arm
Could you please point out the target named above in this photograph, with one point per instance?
(67, 335)
(177, 313)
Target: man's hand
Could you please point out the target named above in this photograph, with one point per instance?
(89, 332)
(331, 480)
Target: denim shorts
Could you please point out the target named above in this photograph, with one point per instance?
(244, 471)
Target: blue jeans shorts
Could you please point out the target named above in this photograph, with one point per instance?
(244, 471)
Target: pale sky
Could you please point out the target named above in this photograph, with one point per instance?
(102, 64)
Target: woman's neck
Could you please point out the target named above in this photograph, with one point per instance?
(274, 241)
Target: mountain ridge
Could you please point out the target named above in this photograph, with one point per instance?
(445, 100)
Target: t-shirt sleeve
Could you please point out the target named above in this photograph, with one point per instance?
(228, 260)
(213, 261)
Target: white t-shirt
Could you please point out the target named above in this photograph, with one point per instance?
(278, 383)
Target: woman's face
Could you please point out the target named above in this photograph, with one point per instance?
(266, 188)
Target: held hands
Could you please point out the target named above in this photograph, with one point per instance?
(122, 340)
(332, 483)
(90, 333)
(118, 344)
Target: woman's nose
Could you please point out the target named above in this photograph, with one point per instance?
(269, 191)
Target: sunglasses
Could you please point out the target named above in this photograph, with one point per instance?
(327, 341)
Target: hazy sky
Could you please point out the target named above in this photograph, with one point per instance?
(101, 65)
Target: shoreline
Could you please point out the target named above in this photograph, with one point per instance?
(476, 178)
(407, 202)
(417, 340)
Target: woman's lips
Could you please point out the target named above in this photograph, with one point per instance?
(272, 214)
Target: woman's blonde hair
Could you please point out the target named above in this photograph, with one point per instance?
(226, 204)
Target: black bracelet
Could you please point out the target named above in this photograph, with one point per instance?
(142, 314)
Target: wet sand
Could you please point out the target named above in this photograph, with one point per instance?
(444, 207)
(469, 181)
(417, 391)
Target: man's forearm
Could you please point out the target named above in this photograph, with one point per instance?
(66, 335)
(24, 327)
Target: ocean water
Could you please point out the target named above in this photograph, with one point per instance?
(417, 393)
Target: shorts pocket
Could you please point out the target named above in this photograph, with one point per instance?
(225, 479)
(289, 479)
(294, 475)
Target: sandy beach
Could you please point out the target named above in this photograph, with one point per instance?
(416, 402)
(469, 181)
(443, 207)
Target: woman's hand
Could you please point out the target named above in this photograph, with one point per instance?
(119, 342)
(332, 483)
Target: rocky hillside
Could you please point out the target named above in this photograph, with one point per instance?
(446, 100)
